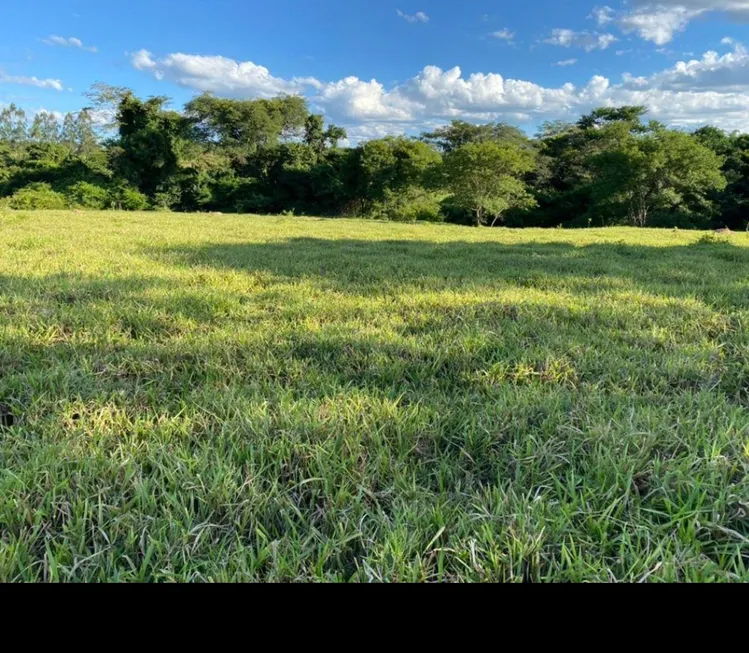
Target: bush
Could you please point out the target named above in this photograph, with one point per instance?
(37, 196)
(455, 212)
(422, 207)
(126, 198)
(409, 206)
(87, 196)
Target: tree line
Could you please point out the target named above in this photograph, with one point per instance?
(611, 167)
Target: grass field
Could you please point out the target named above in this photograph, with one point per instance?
(194, 397)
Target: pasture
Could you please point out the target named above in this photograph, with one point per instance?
(238, 398)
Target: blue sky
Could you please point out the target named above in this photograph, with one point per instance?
(382, 67)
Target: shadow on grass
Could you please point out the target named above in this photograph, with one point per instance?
(712, 272)
(168, 403)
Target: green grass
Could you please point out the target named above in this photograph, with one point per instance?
(194, 398)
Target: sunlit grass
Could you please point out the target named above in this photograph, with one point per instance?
(193, 397)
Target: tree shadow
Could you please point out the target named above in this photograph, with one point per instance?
(711, 272)
(456, 389)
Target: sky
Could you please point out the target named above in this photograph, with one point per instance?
(381, 67)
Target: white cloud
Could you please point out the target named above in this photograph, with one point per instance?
(142, 60)
(713, 89)
(657, 24)
(566, 62)
(567, 38)
(55, 84)
(504, 34)
(603, 15)
(355, 99)
(71, 42)
(418, 17)
(218, 74)
(725, 74)
(660, 20)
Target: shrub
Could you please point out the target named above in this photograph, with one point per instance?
(37, 196)
(408, 206)
(84, 195)
(126, 198)
(424, 208)
(454, 212)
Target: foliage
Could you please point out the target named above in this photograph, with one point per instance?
(84, 195)
(272, 155)
(412, 205)
(37, 196)
(459, 133)
(485, 178)
(245, 126)
(665, 171)
(127, 198)
(392, 165)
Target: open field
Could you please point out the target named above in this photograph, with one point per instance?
(194, 397)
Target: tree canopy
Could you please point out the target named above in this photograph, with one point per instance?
(272, 155)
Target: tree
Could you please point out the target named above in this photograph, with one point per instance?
(105, 102)
(391, 165)
(245, 126)
(458, 133)
(334, 134)
(318, 138)
(13, 126)
(734, 149)
(69, 135)
(45, 129)
(605, 116)
(664, 171)
(486, 178)
(150, 141)
(85, 135)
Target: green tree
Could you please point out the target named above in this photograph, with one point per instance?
(68, 134)
(734, 149)
(245, 126)
(318, 138)
(388, 166)
(13, 126)
(86, 142)
(606, 116)
(334, 134)
(459, 133)
(150, 141)
(663, 171)
(486, 178)
(45, 129)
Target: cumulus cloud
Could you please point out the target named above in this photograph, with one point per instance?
(356, 99)
(504, 35)
(566, 62)
(418, 17)
(728, 73)
(218, 74)
(71, 42)
(54, 84)
(567, 38)
(711, 89)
